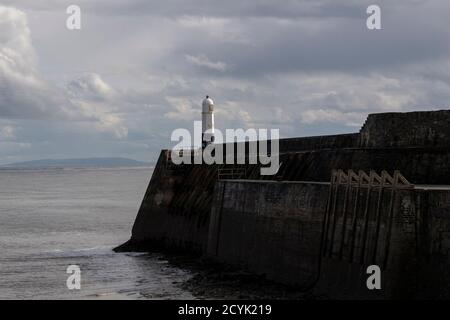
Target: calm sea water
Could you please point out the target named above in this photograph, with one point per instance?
(50, 219)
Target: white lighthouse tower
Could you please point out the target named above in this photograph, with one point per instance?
(207, 121)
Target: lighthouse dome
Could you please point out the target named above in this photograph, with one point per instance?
(207, 104)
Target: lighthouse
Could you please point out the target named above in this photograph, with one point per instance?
(207, 121)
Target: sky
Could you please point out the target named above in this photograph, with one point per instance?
(138, 69)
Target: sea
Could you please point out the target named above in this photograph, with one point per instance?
(51, 219)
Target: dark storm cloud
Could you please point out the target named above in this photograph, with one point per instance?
(230, 8)
(281, 36)
(317, 45)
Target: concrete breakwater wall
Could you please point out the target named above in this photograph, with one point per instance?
(406, 129)
(278, 229)
(279, 226)
(175, 211)
(421, 165)
(271, 228)
(176, 208)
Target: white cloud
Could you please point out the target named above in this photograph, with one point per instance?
(25, 95)
(331, 116)
(7, 133)
(20, 87)
(113, 123)
(203, 61)
(92, 86)
(221, 30)
(183, 109)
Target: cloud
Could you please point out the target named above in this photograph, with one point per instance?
(7, 133)
(331, 116)
(183, 109)
(91, 86)
(203, 61)
(138, 69)
(109, 122)
(98, 101)
(22, 93)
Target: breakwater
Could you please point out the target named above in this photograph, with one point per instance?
(337, 205)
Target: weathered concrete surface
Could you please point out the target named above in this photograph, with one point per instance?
(271, 228)
(407, 129)
(338, 141)
(433, 207)
(277, 228)
(174, 213)
(421, 165)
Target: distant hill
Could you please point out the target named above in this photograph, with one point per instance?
(77, 163)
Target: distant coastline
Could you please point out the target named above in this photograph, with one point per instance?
(76, 163)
